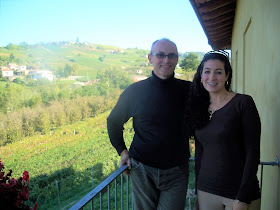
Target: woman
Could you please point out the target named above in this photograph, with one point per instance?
(227, 128)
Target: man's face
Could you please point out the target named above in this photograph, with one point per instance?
(164, 67)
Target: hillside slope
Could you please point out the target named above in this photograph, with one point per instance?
(64, 157)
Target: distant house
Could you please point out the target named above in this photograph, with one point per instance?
(13, 66)
(38, 74)
(178, 75)
(78, 84)
(21, 67)
(138, 78)
(22, 72)
(7, 72)
(74, 77)
(4, 68)
(71, 42)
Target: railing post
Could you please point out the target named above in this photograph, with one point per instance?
(116, 194)
(127, 193)
(261, 177)
(92, 205)
(108, 195)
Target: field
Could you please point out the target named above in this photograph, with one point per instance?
(63, 164)
(65, 158)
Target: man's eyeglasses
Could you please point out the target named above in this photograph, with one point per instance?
(163, 55)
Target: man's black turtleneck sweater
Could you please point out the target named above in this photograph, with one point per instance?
(157, 109)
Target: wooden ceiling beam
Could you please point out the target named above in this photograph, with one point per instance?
(217, 32)
(219, 12)
(216, 18)
(213, 5)
(219, 19)
(221, 41)
(219, 25)
(221, 45)
(220, 36)
(200, 2)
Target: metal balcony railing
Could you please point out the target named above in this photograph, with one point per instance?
(115, 193)
(100, 190)
(274, 163)
(121, 192)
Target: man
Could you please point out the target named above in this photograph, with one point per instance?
(159, 152)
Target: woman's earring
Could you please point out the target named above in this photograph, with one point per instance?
(226, 82)
(201, 80)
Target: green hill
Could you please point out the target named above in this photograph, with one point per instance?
(89, 58)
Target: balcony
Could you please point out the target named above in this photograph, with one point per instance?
(115, 191)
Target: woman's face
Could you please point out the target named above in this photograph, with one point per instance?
(214, 76)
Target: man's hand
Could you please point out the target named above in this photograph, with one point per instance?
(125, 159)
(239, 206)
(196, 203)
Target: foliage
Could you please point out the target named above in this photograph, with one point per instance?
(12, 46)
(12, 57)
(68, 70)
(111, 79)
(14, 192)
(190, 62)
(18, 81)
(43, 118)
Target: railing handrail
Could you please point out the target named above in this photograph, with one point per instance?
(271, 163)
(98, 189)
(81, 203)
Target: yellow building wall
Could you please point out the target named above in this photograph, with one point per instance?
(256, 72)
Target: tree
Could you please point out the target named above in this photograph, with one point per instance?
(23, 46)
(42, 121)
(190, 62)
(11, 47)
(67, 70)
(101, 58)
(75, 69)
(12, 57)
(18, 81)
(112, 78)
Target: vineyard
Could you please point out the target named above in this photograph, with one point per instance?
(64, 165)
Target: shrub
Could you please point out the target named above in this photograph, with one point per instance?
(14, 127)
(43, 121)
(14, 192)
(57, 114)
(28, 121)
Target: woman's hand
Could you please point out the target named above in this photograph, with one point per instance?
(237, 205)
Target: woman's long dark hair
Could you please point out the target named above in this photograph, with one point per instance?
(198, 99)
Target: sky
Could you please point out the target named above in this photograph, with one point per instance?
(120, 23)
